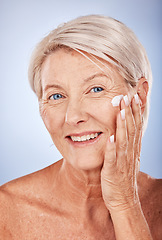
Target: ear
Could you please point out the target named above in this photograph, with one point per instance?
(142, 90)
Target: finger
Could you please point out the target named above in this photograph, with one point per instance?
(130, 125)
(121, 140)
(109, 165)
(138, 122)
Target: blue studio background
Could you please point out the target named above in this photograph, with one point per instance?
(25, 145)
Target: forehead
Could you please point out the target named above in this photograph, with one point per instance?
(69, 64)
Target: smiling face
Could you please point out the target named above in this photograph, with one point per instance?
(76, 106)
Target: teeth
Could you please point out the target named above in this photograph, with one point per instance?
(84, 138)
(88, 137)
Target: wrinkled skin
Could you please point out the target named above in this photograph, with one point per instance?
(96, 191)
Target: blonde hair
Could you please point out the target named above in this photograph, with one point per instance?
(99, 36)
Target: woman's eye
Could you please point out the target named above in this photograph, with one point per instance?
(97, 89)
(56, 96)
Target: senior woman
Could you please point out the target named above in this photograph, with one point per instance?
(93, 79)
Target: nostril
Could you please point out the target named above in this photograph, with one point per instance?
(80, 121)
(75, 119)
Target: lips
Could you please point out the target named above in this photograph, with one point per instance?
(84, 137)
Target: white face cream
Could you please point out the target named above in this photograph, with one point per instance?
(116, 100)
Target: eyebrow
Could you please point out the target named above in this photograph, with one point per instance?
(85, 81)
(95, 76)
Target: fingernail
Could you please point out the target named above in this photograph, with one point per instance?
(116, 100)
(126, 100)
(122, 114)
(112, 138)
(136, 97)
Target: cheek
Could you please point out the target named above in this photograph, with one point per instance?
(104, 112)
(52, 118)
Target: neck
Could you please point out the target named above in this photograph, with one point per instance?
(82, 191)
(85, 184)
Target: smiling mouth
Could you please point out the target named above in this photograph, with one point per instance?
(84, 138)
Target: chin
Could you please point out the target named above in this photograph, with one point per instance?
(90, 163)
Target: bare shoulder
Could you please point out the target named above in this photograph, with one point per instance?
(151, 188)
(157, 200)
(30, 184)
(8, 211)
(25, 189)
(151, 201)
(21, 198)
(6, 206)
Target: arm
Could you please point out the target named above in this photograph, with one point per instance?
(131, 224)
(119, 176)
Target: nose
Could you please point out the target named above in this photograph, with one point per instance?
(75, 114)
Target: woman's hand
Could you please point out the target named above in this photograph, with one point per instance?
(119, 172)
(119, 175)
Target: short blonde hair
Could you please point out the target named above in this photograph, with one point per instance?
(100, 36)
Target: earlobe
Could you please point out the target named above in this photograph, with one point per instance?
(142, 90)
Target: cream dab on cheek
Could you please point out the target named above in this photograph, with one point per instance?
(116, 100)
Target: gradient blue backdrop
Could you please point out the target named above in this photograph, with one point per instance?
(25, 145)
